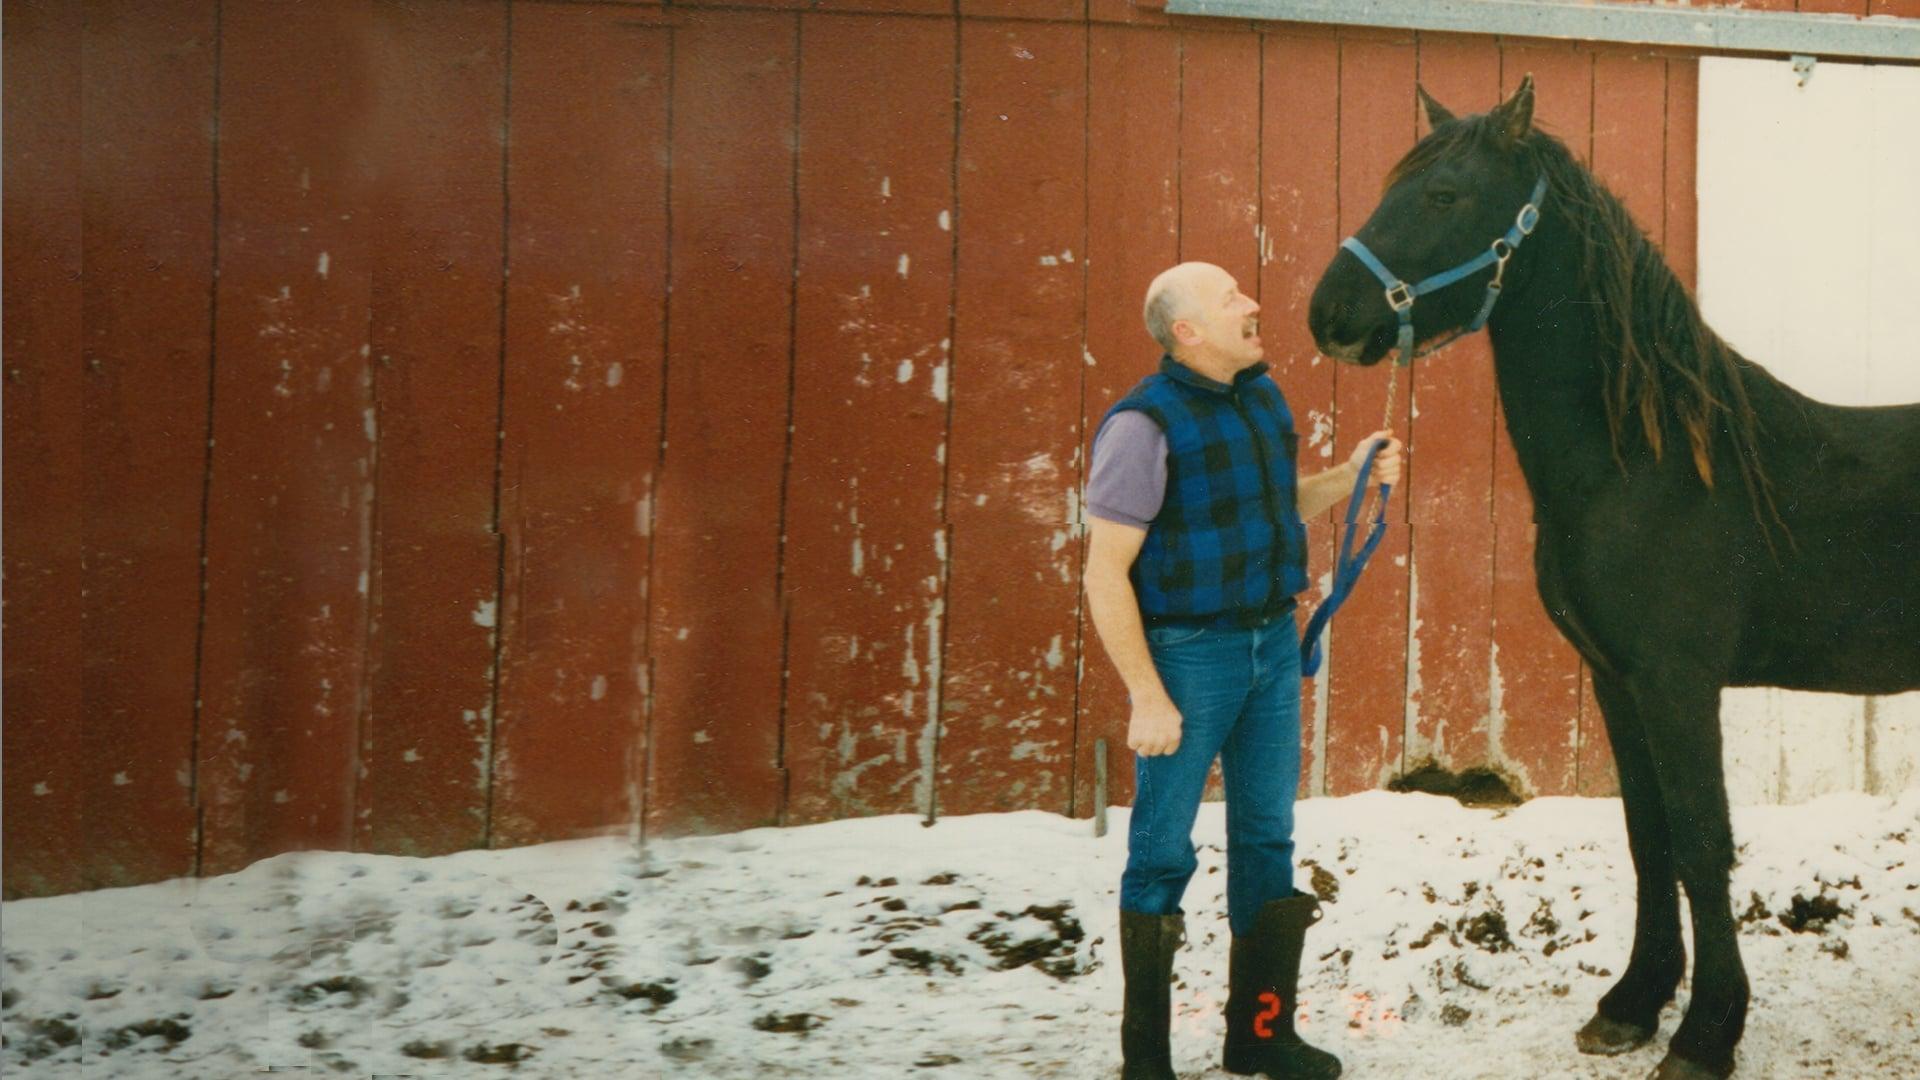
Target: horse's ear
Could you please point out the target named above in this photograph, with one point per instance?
(1437, 113)
(1514, 116)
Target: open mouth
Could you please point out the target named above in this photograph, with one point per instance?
(1365, 352)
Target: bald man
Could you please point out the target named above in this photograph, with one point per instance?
(1197, 552)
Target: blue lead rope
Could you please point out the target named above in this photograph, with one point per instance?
(1400, 297)
(1346, 570)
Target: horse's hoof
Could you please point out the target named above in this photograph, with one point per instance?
(1675, 1067)
(1605, 1035)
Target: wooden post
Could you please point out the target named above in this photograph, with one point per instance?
(1099, 787)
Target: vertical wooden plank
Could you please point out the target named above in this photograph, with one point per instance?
(1367, 668)
(1007, 702)
(864, 535)
(1900, 9)
(147, 228)
(1629, 134)
(1220, 152)
(41, 395)
(291, 496)
(440, 77)
(1133, 233)
(1452, 434)
(1629, 156)
(1680, 243)
(1299, 173)
(586, 276)
(1536, 673)
(716, 623)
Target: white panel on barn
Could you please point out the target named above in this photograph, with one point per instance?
(1810, 265)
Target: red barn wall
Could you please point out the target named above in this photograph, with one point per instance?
(432, 425)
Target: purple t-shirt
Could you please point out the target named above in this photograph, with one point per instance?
(1127, 479)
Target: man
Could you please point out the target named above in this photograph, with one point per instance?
(1196, 553)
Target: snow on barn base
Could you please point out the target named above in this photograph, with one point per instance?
(1457, 943)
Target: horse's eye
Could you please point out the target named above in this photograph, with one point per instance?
(1441, 198)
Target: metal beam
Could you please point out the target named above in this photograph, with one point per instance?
(1881, 37)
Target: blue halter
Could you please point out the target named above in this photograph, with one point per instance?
(1400, 297)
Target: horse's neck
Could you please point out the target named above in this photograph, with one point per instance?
(1552, 380)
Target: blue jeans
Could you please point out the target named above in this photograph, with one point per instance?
(1238, 692)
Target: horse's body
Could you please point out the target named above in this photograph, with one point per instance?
(1700, 523)
(1835, 608)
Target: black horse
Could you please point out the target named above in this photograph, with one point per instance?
(1700, 524)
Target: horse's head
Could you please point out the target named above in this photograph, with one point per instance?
(1452, 195)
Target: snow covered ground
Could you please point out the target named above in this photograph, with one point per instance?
(1458, 943)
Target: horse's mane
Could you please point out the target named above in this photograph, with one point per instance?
(1662, 361)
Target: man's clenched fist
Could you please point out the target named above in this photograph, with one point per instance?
(1386, 467)
(1155, 727)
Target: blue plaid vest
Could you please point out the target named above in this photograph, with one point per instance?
(1228, 539)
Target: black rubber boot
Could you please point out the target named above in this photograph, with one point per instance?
(1263, 974)
(1147, 943)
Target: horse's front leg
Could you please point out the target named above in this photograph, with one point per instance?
(1629, 1014)
(1680, 714)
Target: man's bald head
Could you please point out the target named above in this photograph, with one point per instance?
(1170, 298)
(1199, 316)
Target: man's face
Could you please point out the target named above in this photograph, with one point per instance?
(1222, 321)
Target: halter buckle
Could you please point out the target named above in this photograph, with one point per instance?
(1527, 219)
(1400, 296)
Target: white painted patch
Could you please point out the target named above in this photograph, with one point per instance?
(886, 187)
(1055, 655)
(909, 666)
(1029, 750)
(485, 614)
(120, 779)
(1049, 260)
(939, 386)
(701, 738)
(905, 372)
(322, 268)
(946, 221)
(901, 267)
(859, 558)
(924, 744)
(283, 796)
(615, 372)
(410, 756)
(1087, 355)
(1496, 705)
(363, 584)
(681, 634)
(597, 691)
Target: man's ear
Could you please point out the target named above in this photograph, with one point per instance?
(1185, 332)
(1514, 116)
(1437, 113)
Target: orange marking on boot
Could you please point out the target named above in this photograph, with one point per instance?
(1260, 1028)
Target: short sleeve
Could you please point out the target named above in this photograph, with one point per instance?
(1127, 479)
